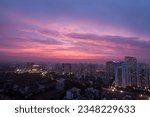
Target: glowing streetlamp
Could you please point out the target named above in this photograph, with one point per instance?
(141, 95)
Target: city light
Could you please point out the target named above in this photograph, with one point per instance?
(112, 90)
(40, 77)
(141, 95)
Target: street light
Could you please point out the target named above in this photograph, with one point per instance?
(141, 95)
(112, 90)
(121, 91)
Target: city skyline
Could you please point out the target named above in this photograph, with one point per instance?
(116, 80)
(74, 31)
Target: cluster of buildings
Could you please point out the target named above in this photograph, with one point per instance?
(82, 94)
(80, 69)
(29, 68)
(126, 73)
(129, 73)
(24, 86)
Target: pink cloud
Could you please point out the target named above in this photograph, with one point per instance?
(81, 39)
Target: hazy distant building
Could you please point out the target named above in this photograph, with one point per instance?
(92, 69)
(77, 69)
(57, 68)
(66, 68)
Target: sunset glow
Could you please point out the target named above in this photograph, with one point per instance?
(74, 30)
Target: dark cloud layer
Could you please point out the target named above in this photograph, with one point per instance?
(16, 42)
(50, 32)
(131, 14)
(133, 41)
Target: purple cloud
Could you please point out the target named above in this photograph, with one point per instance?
(133, 41)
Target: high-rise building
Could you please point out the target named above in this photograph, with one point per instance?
(110, 69)
(143, 76)
(131, 70)
(124, 75)
(131, 73)
(149, 77)
(120, 75)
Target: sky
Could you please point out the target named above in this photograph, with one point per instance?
(74, 30)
